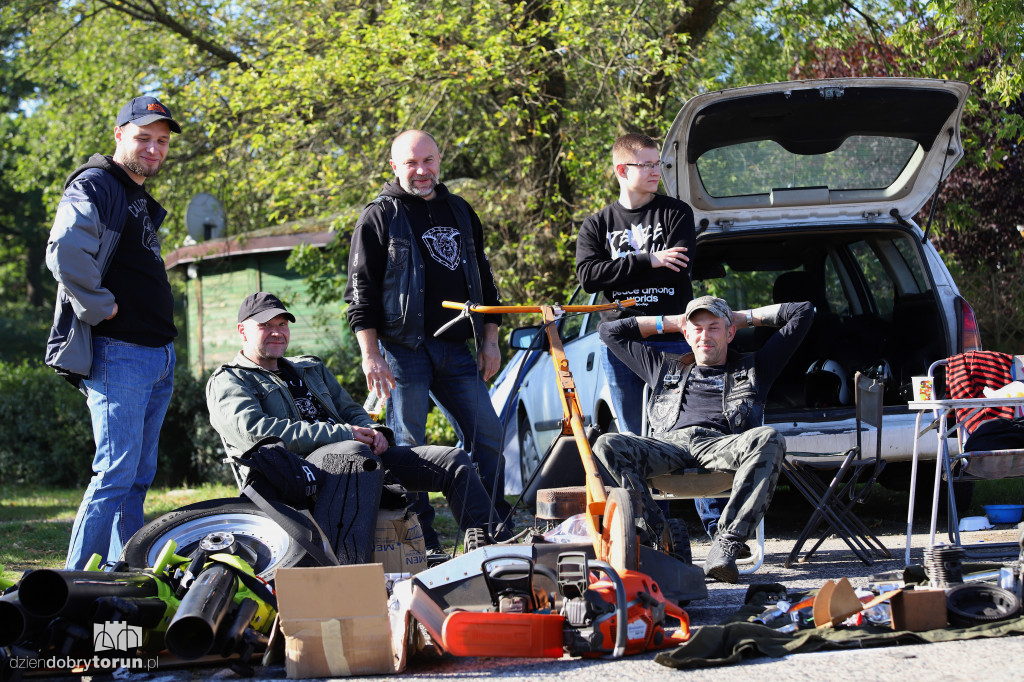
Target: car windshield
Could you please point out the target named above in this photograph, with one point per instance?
(758, 167)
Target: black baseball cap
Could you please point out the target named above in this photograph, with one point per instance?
(145, 110)
(262, 307)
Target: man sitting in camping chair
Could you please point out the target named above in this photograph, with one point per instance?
(264, 393)
(706, 411)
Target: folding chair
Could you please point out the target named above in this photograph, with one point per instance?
(232, 463)
(688, 484)
(967, 375)
(835, 495)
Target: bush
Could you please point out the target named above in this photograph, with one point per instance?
(46, 432)
(190, 449)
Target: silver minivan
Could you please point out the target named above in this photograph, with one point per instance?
(803, 191)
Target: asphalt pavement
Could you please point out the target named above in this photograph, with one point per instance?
(991, 660)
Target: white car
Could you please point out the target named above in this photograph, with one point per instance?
(802, 191)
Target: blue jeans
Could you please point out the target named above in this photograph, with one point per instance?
(627, 390)
(129, 392)
(447, 371)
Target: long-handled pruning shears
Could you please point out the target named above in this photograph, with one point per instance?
(609, 516)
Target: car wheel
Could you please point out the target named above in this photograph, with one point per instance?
(261, 542)
(529, 456)
(609, 424)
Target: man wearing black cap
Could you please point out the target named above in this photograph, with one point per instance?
(263, 393)
(706, 411)
(113, 328)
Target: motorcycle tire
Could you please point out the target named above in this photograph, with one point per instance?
(260, 541)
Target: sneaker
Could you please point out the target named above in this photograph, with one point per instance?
(721, 561)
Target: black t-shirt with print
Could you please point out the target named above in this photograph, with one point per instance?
(702, 399)
(138, 280)
(440, 246)
(311, 409)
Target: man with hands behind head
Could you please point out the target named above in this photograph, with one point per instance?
(707, 410)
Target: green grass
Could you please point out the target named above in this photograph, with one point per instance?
(1003, 491)
(35, 523)
(448, 529)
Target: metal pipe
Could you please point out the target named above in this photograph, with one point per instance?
(15, 623)
(193, 630)
(49, 592)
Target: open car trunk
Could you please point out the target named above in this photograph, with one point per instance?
(875, 308)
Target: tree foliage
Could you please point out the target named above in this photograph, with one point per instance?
(289, 107)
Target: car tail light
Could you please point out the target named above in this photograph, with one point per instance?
(970, 335)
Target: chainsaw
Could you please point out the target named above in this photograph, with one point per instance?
(621, 613)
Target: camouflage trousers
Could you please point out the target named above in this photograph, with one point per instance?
(754, 457)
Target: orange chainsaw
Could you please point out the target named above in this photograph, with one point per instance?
(620, 614)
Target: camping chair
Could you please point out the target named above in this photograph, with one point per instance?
(689, 484)
(835, 495)
(232, 463)
(967, 374)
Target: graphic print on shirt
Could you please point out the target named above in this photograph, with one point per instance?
(305, 403)
(150, 240)
(708, 380)
(637, 239)
(444, 245)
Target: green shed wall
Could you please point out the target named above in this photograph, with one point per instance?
(213, 297)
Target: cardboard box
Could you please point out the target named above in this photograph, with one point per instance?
(918, 610)
(398, 542)
(335, 621)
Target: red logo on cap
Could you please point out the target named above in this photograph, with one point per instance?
(156, 107)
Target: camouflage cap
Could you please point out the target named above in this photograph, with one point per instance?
(716, 306)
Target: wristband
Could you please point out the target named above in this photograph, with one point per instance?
(750, 318)
(659, 324)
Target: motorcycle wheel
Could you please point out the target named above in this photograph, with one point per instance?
(260, 541)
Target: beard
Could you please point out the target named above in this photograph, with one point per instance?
(415, 191)
(132, 162)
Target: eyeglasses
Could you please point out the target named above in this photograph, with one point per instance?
(647, 166)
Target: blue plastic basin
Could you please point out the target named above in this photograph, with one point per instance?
(1004, 513)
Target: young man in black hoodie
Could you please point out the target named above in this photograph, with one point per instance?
(413, 247)
(114, 327)
(640, 246)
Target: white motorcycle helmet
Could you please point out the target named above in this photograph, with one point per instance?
(827, 385)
